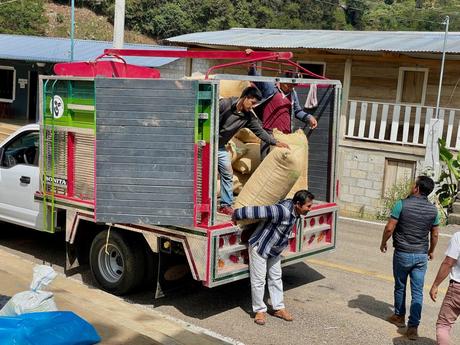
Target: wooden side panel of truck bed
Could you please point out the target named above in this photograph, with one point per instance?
(145, 151)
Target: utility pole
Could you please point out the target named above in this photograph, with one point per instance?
(72, 29)
(437, 124)
(119, 24)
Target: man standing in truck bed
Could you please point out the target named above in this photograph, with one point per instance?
(280, 102)
(234, 114)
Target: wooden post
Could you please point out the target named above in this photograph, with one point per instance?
(345, 96)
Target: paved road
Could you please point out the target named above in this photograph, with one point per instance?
(337, 298)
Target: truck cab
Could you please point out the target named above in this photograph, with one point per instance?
(20, 178)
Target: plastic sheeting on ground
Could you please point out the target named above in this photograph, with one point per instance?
(48, 328)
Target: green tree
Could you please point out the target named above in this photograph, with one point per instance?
(159, 21)
(24, 17)
(355, 11)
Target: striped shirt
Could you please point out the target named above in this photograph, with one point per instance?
(271, 236)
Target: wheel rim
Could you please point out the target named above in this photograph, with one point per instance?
(111, 265)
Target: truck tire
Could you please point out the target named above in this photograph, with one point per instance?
(122, 270)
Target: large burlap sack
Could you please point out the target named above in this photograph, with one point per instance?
(295, 139)
(232, 88)
(276, 175)
(250, 160)
(242, 179)
(227, 88)
(247, 136)
(236, 148)
(237, 185)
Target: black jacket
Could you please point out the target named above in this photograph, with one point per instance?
(231, 121)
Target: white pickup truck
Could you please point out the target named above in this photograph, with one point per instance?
(20, 178)
(127, 168)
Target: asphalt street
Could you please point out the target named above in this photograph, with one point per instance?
(340, 297)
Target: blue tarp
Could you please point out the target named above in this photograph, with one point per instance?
(47, 328)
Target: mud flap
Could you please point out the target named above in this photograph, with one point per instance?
(173, 269)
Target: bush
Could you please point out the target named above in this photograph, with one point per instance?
(400, 190)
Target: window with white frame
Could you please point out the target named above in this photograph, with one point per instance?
(412, 83)
(7, 84)
(318, 68)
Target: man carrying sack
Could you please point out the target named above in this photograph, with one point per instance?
(265, 247)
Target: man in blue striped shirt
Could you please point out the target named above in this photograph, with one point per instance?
(265, 247)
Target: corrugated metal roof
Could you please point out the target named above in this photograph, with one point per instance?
(55, 49)
(371, 41)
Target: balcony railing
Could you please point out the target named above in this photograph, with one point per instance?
(402, 124)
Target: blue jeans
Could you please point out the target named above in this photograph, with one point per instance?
(224, 165)
(413, 265)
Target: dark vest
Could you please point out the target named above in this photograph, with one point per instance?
(414, 225)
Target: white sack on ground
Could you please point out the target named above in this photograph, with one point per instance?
(34, 300)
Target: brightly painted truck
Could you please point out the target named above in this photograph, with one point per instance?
(127, 168)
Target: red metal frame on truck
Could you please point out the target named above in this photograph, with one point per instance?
(243, 57)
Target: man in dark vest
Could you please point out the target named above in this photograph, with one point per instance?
(280, 104)
(414, 226)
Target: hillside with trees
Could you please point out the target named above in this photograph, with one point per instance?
(165, 18)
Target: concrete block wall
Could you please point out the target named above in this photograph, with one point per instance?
(361, 171)
(361, 175)
(184, 67)
(173, 70)
(201, 65)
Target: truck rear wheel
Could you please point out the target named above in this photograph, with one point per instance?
(117, 263)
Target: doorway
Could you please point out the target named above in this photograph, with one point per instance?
(32, 106)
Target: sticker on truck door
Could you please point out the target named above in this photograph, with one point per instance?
(57, 106)
(57, 181)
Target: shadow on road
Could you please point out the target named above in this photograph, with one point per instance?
(190, 298)
(46, 248)
(371, 306)
(197, 301)
(402, 340)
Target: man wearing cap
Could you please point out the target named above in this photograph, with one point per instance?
(450, 308)
(280, 103)
(414, 226)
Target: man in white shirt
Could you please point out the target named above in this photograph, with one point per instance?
(450, 308)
